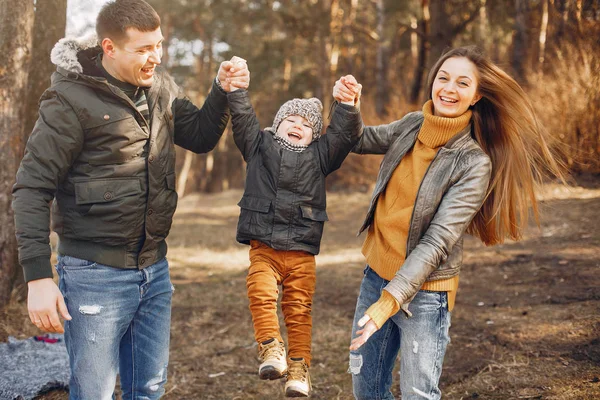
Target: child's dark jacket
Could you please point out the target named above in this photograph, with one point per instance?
(284, 199)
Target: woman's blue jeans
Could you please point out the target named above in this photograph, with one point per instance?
(121, 324)
(420, 339)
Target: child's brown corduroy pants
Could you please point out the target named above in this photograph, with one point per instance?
(295, 271)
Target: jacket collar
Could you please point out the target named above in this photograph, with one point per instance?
(76, 55)
(460, 139)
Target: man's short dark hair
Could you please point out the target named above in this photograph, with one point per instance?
(117, 16)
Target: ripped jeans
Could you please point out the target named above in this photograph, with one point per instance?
(421, 340)
(121, 324)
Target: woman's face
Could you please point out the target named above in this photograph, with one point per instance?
(455, 87)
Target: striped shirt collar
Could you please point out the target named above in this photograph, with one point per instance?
(130, 90)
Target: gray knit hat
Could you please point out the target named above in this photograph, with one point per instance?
(311, 109)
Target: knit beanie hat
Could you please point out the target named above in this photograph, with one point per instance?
(311, 109)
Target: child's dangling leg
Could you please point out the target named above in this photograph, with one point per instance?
(296, 304)
(262, 285)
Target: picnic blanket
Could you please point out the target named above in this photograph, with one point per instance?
(33, 366)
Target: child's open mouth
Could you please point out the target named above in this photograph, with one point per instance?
(294, 137)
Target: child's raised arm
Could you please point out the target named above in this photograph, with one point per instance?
(345, 127)
(245, 126)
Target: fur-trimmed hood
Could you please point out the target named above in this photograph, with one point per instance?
(68, 53)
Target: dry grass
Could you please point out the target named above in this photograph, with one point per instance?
(526, 323)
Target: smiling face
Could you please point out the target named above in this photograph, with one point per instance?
(134, 59)
(296, 129)
(454, 88)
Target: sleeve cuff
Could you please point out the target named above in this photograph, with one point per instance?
(36, 268)
(349, 108)
(383, 309)
(217, 96)
(218, 85)
(239, 101)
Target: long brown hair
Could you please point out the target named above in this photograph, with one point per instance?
(509, 132)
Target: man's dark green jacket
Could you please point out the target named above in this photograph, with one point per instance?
(110, 172)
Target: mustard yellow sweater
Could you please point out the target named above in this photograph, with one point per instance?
(385, 245)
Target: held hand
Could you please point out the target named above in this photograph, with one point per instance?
(224, 68)
(363, 334)
(238, 77)
(351, 83)
(347, 90)
(43, 300)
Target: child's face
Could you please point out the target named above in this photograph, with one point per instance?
(296, 129)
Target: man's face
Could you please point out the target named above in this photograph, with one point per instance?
(296, 129)
(135, 58)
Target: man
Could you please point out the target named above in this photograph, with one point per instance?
(103, 150)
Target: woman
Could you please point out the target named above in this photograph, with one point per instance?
(469, 162)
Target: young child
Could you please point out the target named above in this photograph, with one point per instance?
(282, 217)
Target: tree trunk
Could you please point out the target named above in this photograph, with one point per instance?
(217, 178)
(578, 7)
(422, 57)
(335, 32)
(414, 39)
(543, 34)
(350, 40)
(167, 31)
(481, 34)
(442, 31)
(49, 26)
(184, 173)
(16, 21)
(323, 54)
(382, 91)
(519, 53)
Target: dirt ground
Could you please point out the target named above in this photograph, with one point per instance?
(526, 323)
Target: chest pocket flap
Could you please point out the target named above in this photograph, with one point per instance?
(314, 214)
(255, 204)
(105, 190)
(100, 118)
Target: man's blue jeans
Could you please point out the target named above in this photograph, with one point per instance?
(121, 324)
(421, 340)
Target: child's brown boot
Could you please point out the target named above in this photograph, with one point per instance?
(298, 378)
(271, 354)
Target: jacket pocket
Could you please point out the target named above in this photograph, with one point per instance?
(255, 219)
(118, 139)
(310, 226)
(314, 214)
(108, 209)
(105, 190)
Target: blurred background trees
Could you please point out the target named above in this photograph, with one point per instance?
(298, 48)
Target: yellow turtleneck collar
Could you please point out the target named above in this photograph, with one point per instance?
(436, 131)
